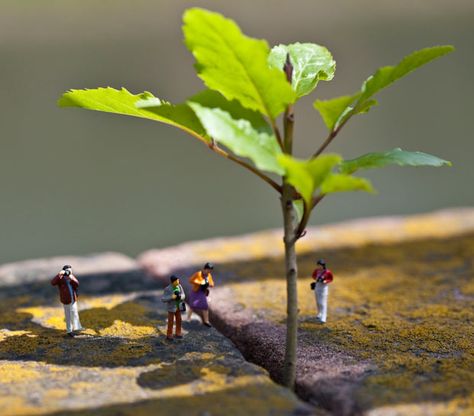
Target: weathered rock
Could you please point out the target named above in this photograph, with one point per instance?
(122, 364)
(399, 336)
(269, 244)
(41, 269)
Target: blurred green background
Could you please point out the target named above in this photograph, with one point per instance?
(74, 181)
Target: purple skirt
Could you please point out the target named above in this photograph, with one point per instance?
(198, 300)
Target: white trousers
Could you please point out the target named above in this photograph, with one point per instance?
(321, 294)
(72, 318)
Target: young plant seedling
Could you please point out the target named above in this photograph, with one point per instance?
(249, 86)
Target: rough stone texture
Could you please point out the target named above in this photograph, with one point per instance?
(399, 339)
(42, 269)
(269, 244)
(122, 364)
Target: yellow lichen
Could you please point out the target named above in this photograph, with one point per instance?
(17, 406)
(126, 330)
(11, 372)
(5, 333)
(56, 394)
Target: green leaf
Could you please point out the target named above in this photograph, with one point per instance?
(333, 111)
(307, 175)
(214, 99)
(345, 183)
(234, 64)
(385, 76)
(298, 205)
(392, 157)
(110, 100)
(240, 137)
(338, 110)
(311, 63)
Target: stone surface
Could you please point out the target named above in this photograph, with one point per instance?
(42, 269)
(269, 244)
(121, 364)
(399, 339)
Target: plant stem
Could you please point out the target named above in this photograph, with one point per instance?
(317, 200)
(276, 130)
(303, 222)
(213, 146)
(288, 123)
(289, 118)
(289, 220)
(330, 138)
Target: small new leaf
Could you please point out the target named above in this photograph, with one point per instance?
(110, 100)
(345, 183)
(337, 110)
(334, 111)
(392, 157)
(240, 137)
(311, 63)
(308, 175)
(235, 64)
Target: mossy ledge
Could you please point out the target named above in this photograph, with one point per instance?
(122, 363)
(399, 337)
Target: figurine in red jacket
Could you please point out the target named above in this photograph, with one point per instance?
(68, 284)
(322, 277)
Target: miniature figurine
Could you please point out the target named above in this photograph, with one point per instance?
(174, 296)
(201, 282)
(68, 284)
(322, 277)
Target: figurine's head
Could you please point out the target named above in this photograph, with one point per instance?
(174, 280)
(67, 270)
(321, 264)
(208, 267)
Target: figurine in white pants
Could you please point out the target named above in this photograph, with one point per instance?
(322, 277)
(72, 318)
(68, 284)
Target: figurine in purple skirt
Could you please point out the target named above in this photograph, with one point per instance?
(201, 281)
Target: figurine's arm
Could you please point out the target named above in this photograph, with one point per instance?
(168, 296)
(74, 281)
(183, 295)
(327, 277)
(315, 274)
(211, 281)
(56, 279)
(195, 279)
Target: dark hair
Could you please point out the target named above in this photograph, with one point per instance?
(209, 266)
(173, 278)
(321, 262)
(67, 266)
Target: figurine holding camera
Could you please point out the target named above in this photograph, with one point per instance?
(68, 286)
(201, 281)
(174, 296)
(322, 277)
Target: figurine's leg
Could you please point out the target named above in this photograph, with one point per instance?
(67, 315)
(324, 303)
(317, 295)
(205, 316)
(76, 323)
(178, 323)
(169, 333)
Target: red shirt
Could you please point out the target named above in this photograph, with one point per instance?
(64, 292)
(326, 275)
